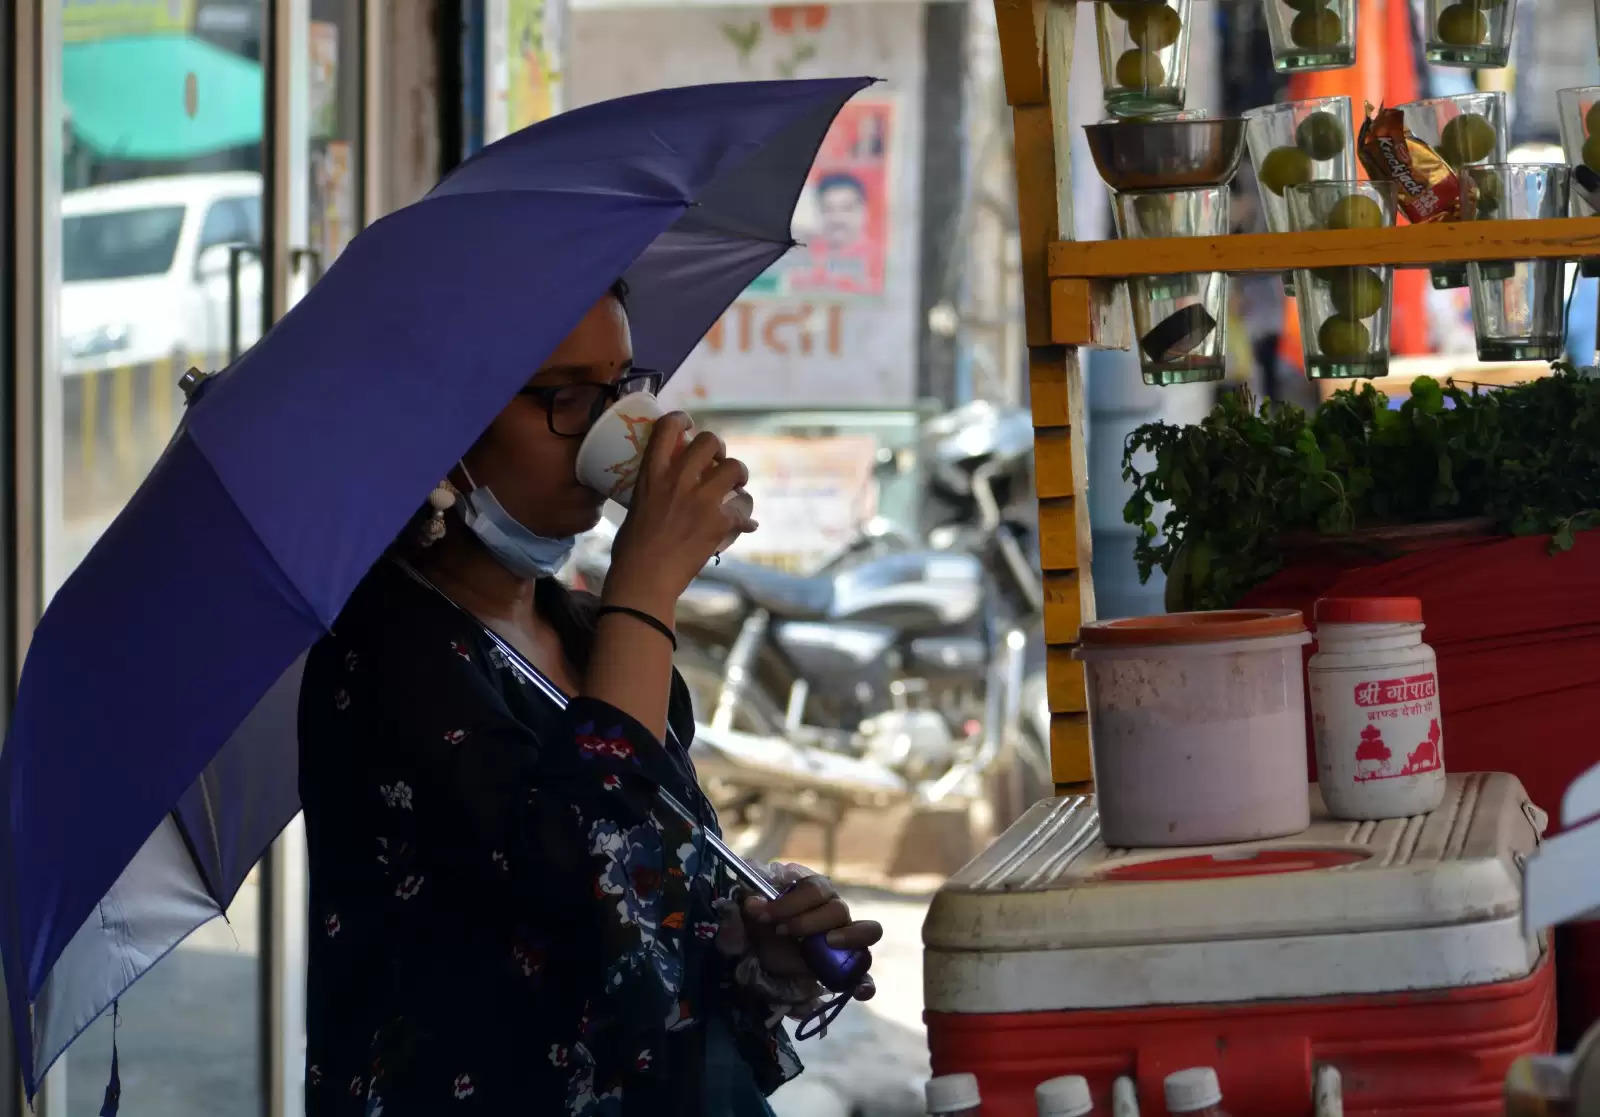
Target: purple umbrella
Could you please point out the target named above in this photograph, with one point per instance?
(152, 755)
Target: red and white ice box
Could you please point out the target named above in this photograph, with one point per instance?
(1391, 950)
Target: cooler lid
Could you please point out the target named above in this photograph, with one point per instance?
(1049, 883)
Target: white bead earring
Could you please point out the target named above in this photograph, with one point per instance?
(440, 501)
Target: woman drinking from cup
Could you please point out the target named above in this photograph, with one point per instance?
(504, 918)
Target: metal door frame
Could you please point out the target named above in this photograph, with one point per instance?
(30, 403)
(32, 342)
(284, 870)
(10, 1096)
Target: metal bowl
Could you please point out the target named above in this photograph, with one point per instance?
(1166, 154)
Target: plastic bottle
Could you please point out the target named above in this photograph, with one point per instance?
(1195, 1091)
(954, 1095)
(1374, 689)
(1124, 1098)
(1067, 1096)
(1540, 1086)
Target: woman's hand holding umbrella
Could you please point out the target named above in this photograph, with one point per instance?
(777, 927)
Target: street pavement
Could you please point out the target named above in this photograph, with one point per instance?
(874, 1059)
(190, 1035)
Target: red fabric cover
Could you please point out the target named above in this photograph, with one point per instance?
(1517, 632)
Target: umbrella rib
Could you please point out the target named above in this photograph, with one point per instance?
(588, 192)
(697, 221)
(291, 593)
(212, 887)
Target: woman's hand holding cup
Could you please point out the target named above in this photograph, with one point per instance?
(687, 504)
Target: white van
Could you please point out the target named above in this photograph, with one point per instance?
(144, 269)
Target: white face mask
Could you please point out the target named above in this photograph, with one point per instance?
(525, 553)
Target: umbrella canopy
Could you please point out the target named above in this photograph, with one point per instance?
(152, 754)
(160, 96)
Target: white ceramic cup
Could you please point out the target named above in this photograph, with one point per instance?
(612, 452)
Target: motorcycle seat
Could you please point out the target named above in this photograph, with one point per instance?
(790, 596)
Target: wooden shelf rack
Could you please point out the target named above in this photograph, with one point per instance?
(1072, 298)
(1083, 274)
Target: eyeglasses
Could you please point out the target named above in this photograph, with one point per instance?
(571, 409)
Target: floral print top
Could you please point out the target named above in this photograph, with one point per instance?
(503, 918)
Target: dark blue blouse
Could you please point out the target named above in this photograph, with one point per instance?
(502, 919)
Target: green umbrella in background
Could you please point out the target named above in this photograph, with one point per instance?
(131, 97)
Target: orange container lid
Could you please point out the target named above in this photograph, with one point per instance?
(1368, 610)
(1192, 628)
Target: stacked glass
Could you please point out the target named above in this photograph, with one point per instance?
(1144, 55)
(1296, 142)
(1580, 142)
(1468, 131)
(1312, 34)
(1471, 33)
(1344, 312)
(1180, 320)
(1519, 306)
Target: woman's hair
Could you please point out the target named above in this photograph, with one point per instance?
(572, 613)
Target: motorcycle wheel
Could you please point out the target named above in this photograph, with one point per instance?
(752, 824)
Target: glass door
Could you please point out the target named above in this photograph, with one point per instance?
(169, 238)
(151, 187)
(160, 205)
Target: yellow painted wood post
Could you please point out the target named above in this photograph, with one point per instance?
(1036, 39)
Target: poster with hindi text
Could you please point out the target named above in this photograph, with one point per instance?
(835, 323)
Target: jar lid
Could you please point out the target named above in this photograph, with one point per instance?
(1192, 1089)
(951, 1093)
(1368, 610)
(1067, 1096)
(1193, 628)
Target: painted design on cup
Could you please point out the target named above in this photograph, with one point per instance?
(626, 472)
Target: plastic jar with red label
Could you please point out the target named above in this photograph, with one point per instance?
(1374, 688)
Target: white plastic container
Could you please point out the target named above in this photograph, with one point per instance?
(1375, 709)
(1197, 726)
(1193, 1091)
(953, 1095)
(1052, 918)
(1067, 1096)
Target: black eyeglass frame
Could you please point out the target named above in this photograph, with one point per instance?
(636, 380)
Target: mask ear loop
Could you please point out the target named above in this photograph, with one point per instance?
(819, 1020)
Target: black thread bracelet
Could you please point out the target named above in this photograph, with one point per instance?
(643, 618)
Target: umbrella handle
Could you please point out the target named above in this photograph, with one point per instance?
(838, 970)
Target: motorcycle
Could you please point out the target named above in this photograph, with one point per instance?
(908, 668)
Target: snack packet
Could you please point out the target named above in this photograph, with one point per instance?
(1426, 188)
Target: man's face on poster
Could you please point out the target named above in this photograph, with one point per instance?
(842, 203)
